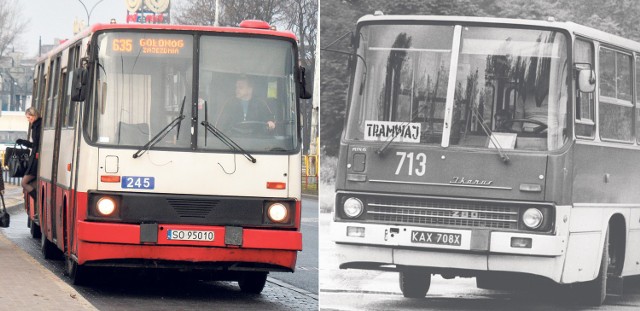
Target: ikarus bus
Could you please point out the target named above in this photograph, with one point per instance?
(135, 169)
(490, 148)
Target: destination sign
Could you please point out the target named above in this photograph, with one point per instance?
(152, 46)
(385, 130)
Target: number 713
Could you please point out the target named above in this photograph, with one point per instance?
(419, 159)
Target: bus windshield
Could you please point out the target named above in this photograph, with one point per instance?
(510, 89)
(144, 82)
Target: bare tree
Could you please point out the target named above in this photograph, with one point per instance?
(202, 12)
(301, 17)
(12, 24)
(234, 12)
(196, 12)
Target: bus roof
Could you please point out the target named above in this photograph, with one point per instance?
(573, 28)
(252, 27)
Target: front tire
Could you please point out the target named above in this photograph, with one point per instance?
(252, 282)
(79, 274)
(415, 283)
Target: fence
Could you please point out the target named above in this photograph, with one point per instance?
(310, 174)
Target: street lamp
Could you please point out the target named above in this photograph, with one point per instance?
(89, 11)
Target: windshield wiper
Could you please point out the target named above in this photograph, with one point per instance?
(503, 155)
(175, 122)
(227, 141)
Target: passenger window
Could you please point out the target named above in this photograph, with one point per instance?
(616, 108)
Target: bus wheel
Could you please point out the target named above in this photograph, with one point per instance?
(415, 283)
(34, 230)
(79, 274)
(252, 282)
(595, 292)
(48, 249)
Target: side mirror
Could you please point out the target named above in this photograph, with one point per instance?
(305, 90)
(586, 80)
(80, 84)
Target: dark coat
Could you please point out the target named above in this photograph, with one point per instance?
(34, 144)
(233, 113)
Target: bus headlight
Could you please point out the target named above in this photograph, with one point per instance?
(278, 213)
(532, 218)
(353, 207)
(106, 206)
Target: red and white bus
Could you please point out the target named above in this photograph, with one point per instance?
(133, 170)
(492, 148)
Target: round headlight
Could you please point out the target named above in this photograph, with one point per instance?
(532, 218)
(106, 206)
(277, 212)
(353, 207)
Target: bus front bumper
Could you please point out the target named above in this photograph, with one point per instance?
(367, 246)
(273, 250)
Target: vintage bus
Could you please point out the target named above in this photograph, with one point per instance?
(491, 148)
(134, 170)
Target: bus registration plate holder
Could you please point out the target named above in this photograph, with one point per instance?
(438, 238)
(190, 235)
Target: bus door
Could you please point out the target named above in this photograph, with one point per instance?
(65, 144)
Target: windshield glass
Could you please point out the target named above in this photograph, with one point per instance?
(246, 90)
(511, 84)
(142, 80)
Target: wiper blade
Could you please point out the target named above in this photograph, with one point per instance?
(503, 155)
(175, 122)
(228, 141)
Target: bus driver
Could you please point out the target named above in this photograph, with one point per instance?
(245, 109)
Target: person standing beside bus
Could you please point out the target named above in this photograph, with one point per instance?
(33, 116)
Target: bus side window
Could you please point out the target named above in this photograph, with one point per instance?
(585, 102)
(615, 115)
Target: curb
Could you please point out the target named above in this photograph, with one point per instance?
(65, 289)
(293, 288)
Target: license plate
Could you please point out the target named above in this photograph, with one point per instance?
(138, 182)
(190, 235)
(439, 238)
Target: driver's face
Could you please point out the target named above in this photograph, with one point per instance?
(244, 91)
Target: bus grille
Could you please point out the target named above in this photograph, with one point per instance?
(192, 208)
(458, 214)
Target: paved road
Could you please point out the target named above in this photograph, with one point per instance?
(374, 290)
(139, 290)
(306, 275)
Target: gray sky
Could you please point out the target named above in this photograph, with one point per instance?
(52, 19)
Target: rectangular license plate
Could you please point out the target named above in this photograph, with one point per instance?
(138, 182)
(190, 235)
(439, 238)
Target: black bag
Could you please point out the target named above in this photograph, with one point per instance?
(18, 160)
(5, 218)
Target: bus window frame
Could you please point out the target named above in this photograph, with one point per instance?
(593, 95)
(614, 100)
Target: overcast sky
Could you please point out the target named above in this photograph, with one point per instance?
(52, 19)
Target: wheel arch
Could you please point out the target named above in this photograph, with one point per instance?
(618, 240)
